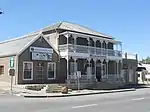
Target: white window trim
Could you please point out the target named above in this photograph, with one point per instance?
(31, 72)
(54, 70)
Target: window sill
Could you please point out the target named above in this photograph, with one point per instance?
(51, 78)
(27, 79)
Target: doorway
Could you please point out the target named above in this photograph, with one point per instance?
(40, 72)
(98, 71)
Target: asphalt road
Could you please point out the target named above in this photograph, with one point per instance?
(133, 101)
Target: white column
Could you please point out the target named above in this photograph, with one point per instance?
(101, 42)
(107, 61)
(75, 65)
(121, 48)
(94, 67)
(117, 46)
(102, 71)
(94, 46)
(67, 44)
(75, 42)
(106, 44)
(67, 36)
(88, 44)
(95, 70)
(67, 58)
(106, 48)
(117, 68)
(89, 68)
(120, 68)
(57, 41)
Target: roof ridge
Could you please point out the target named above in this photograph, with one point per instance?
(59, 23)
(41, 29)
(86, 28)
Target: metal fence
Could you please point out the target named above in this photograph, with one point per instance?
(89, 49)
(92, 78)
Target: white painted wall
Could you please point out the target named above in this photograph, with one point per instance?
(52, 38)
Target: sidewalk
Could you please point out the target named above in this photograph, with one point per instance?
(20, 91)
(73, 93)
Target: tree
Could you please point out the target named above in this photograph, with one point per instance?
(146, 61)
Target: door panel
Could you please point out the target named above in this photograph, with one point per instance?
(98, 72)
(40, 72)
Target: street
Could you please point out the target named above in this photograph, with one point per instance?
(137, 101)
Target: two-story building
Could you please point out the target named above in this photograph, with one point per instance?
(98, 57)
(77, 50)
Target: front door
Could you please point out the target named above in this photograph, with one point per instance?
(98, 72)
(104, 71)
(40, 72)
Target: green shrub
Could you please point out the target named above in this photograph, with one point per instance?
(53, 88)
(35, 87)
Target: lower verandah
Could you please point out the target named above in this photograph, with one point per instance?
(93, 70)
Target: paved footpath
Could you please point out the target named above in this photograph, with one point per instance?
(73, 93)
(131, 101)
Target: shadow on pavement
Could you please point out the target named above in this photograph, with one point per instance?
(131, 86)
(137, 86)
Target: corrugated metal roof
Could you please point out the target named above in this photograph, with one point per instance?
(13, 46)
(74, 27)
(51, 27)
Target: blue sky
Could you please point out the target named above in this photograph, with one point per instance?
(126, 20)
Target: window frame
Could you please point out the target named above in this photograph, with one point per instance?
(2, 69)
(54, 70)
(31, 71)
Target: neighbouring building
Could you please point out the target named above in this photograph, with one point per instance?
(33, 58)
(129, 68)
(143, 72)
(57, 53)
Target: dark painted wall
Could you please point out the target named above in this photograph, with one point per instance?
(110, 45)
(63, 69)
(62, 40)
(26, 56)
(112, 67)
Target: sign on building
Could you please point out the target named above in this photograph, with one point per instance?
(39, 53)
(12, 62)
